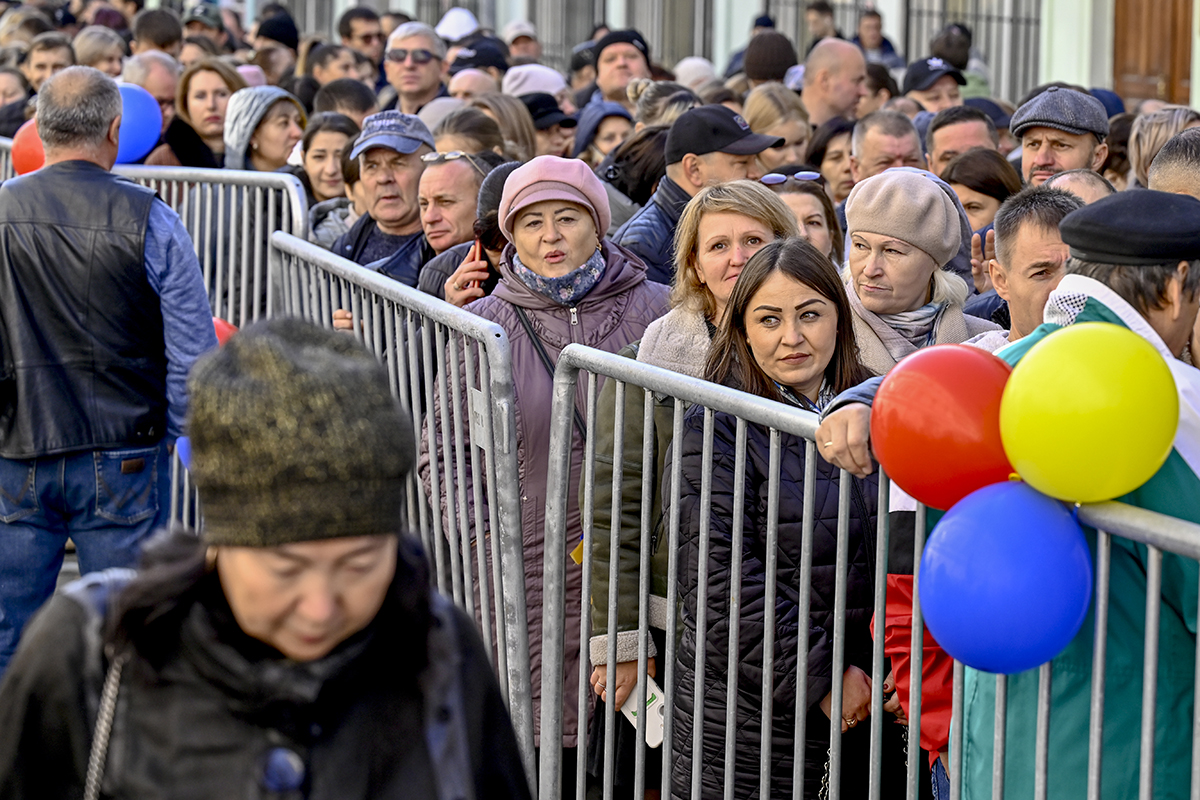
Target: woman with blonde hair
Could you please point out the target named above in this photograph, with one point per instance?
(515, 121)
(196, 137)
(659, 102)
(1151, 131)
(904, 230)
(775, 110)
(100, 47)
(720, 228)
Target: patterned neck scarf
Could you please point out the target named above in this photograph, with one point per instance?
(568, 289)
(824, 396)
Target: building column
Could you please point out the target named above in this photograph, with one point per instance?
(1077, 42)
(1195, 98)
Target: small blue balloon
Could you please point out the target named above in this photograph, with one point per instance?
(283, 771)
(141, 124)
(183, 446)
(1006, 579)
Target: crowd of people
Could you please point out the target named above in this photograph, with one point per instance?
(792, 228)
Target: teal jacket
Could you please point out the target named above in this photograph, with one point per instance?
(1174, 490)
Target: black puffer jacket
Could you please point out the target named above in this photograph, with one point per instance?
(406, 708)
(720, 560)
(650, 233)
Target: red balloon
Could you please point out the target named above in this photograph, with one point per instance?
(27, 152)
(223, 330)
(935, 423)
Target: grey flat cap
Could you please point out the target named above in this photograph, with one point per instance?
(1063, 109)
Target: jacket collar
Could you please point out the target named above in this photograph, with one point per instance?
(671, 198)
(1064, 306)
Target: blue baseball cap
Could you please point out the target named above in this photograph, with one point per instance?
(403, 133)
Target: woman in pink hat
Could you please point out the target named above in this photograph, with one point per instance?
(562, 282)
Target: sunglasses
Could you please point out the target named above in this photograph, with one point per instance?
(367, 38)
(453, 155)
(776, 178)
(418, 56)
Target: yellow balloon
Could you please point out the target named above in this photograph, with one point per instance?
(1090, 413)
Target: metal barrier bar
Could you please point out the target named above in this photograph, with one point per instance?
(230, 215)
(456, 368)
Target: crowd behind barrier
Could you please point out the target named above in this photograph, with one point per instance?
(426, 343)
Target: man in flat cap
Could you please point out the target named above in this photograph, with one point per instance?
(1135, 262)
(1060, 129)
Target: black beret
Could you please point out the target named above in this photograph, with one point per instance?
(1135, 228)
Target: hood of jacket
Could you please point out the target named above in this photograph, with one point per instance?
(246, 109)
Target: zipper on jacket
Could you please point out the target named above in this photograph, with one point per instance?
(574, 316)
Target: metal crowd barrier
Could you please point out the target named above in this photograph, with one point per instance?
(6, 165)
(230, 215)
(455, 368)
(1159, 533)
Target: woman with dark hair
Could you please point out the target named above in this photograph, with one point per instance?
(787, 336)
(982, 179)
(803, 191)
(321, 148)
(829, 154)
(638, 164)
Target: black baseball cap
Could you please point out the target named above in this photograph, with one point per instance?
(545, 111)
(715, 129)
(481, 54)
(925, 73)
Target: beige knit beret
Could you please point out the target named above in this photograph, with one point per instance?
(910, 206)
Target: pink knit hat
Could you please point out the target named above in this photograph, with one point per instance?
(554, 178)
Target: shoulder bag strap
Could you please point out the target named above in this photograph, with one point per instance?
(549, 365)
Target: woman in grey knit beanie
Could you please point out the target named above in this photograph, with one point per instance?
(904, 228)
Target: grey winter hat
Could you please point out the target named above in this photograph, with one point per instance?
(296, 437)
(1062, 109)
(245, 111)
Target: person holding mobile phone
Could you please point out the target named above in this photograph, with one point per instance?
(468, 271)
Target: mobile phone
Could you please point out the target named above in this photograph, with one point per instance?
(476, 255)
(655, 708)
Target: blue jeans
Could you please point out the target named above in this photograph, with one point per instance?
(106, 501)
(940, 781)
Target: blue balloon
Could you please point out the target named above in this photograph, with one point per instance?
(141, 124)
(1006, 579)
(183, 446)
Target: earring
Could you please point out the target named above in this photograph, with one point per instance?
(254, 146)
(210, 559)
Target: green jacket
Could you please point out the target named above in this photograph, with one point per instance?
(1174, 490)
(678, 341)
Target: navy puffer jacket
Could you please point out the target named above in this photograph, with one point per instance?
(650, 233)
(720, 560)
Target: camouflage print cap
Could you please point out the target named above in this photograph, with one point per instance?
(296, 437)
